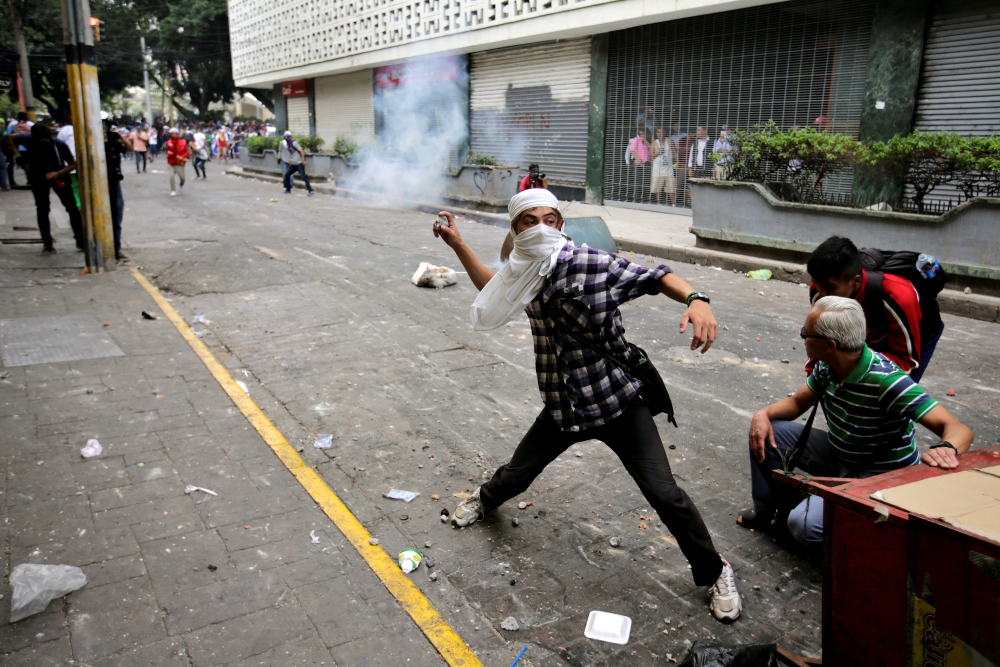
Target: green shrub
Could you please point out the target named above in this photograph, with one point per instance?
(260, 144)
(345, 147)
(924, 160)
(481, 159)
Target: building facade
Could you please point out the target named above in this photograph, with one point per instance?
(584, 88)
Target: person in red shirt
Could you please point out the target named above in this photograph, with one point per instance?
(177, 157)
(836, 270)
(533, 179)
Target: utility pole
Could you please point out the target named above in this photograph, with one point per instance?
(91, 165)
(145, 80)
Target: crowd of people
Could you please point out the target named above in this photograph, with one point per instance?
(658, 164)
(43, 153)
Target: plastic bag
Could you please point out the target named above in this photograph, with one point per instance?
(716, 655)
(36, 585)
(759, 274)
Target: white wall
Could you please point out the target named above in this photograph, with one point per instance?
(273, 42)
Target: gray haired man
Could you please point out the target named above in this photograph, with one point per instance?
(870, 407)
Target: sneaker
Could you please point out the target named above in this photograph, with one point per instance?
(287, 192)
(725, 604)
(468, 511)
(310, 194)
(122, 257)
(49, 249)
(173, 193)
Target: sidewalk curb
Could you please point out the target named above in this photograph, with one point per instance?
(974, 306)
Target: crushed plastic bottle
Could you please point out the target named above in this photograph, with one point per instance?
(409, 560)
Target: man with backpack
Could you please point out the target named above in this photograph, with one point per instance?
(899, 299)
(871, 407)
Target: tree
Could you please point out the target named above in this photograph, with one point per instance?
(192, 40)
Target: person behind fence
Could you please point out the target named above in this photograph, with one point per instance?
(662, 180)
(904, 321)
(870, 406)
(293, 160)
(724, 150)
(572, 296)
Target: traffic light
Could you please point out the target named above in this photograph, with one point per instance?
(98, 26)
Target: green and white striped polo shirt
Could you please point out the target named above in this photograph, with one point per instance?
(870, 414)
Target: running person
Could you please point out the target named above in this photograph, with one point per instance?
(586, 397)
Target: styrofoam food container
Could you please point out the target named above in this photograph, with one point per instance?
(607, 627)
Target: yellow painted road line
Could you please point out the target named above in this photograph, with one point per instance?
(451, 647)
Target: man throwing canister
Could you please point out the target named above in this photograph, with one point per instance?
(586, 396)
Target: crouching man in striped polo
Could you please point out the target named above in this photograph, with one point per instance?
(870, 406)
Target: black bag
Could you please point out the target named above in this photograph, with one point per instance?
(715, 655)
(638, 365)
(903, 264)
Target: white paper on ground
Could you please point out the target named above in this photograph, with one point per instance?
(190, 488)
(91, 449)
(313, 537)
(397, 494)
(606, 627)
(242, 385)
(323, 441)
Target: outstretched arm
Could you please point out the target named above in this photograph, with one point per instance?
(698, 313)
(478, 272)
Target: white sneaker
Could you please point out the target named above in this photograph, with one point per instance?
(468, 511)
(173, 194)
(726, 605)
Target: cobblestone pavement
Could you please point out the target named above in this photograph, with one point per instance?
(309, 304)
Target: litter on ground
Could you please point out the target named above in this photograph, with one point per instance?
(91, 449)
(438, 277)
(190, 488)
(323, 441)
(398, 494)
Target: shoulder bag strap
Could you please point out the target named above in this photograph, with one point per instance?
(873, 304)
(583, 341)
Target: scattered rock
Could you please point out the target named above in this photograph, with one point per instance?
(427, 545)
(373, 541)
(510, 623)
(433, 576)
(435, 496)
(615, 541)
(967, 290)
(951, 392)
(514, 521)
(212, 568)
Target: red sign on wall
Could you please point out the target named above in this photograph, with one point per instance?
(297, 88)
(417, 71)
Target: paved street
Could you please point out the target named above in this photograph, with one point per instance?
(309, 304)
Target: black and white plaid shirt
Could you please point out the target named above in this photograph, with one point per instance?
(580, 388)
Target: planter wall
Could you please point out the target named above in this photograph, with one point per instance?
(746, 218)
(490, 187)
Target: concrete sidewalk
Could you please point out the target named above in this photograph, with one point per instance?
(173, 578)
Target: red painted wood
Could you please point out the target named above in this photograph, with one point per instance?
(867, 566)
(864, 590)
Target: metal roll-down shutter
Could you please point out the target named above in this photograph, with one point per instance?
(529, 104)
(344, 107)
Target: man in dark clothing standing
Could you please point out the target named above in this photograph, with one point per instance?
(49, 164)
(116, 145)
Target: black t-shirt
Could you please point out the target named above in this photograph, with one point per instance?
(45, 157)
(113, 152)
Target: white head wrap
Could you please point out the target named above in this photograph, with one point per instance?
(535, 253)
(530, 199)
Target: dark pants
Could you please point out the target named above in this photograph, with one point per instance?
(926, 352)
(290, 171)
(140, 155)
(65, 194)
(634, 438)
(117, 200)
(199, 164)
